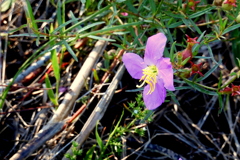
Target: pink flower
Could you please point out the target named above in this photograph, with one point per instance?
(124, 13)
(153, 69)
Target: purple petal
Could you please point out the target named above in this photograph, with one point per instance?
(156, 98)
(165, 72)
(154, 48)
(134, 64)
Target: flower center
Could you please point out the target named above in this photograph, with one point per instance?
(150, 77)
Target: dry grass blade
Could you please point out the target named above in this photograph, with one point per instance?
(100, 109)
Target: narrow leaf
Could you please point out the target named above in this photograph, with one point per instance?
(50, 91)
(207, 74)
(90, 152)
(29, 15)
(220, 101)
(231, 28)
(197, 14)
(70, 50)
(172, 51)
(200, 89)
(98, 138)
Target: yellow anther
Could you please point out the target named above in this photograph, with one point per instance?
(150, 77)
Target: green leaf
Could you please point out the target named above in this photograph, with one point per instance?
(135, 90)
(176, 24)
(174, 98)
(86, 19)
(183, 87)
(177, 15)
(199, 88)
(50, 91)
(131, 7)
(90, 26)
(108, 29)
(90, 152)
(238, 63)
(220, 81)
(220, 101)
(236, 46)
(208, 73)
(187, 23)
(150, 113)
(229, 29)
(59, 14)
(185, 61)
(63, 25)
(29, 14)
(178, 81)
(179, 3)
(172, 51)
(25, 25)
(152, 6)
(195, 26)
(55, 64)
(54, 58)
(198, 40)
(33, 35)
(197, 14)
(88, 3)
(98, 138)
(201, 57)
(211, 54)
(114, 131)
(70, 50)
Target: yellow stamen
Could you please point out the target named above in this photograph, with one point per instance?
(150, 77)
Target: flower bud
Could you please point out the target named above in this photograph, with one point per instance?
(228, 4)
(226, 7)
(187, 53)
(192, 4)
